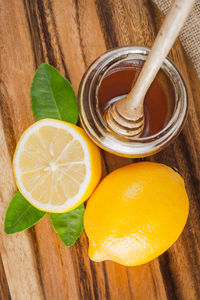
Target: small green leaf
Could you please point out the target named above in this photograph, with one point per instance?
(69, 226)
(52, 96)
(21, 215)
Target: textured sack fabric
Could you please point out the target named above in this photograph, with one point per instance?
(190, 34)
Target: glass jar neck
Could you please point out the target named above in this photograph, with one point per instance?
(91, 114)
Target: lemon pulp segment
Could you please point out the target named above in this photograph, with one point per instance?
(52, 165)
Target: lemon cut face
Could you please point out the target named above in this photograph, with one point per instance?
(56, 165)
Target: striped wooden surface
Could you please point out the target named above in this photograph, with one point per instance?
(70, 34)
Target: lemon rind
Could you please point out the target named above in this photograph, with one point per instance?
(70, 203)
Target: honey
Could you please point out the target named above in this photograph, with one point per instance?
(112, 75)
(159, 101)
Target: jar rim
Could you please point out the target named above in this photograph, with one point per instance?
(150, 144)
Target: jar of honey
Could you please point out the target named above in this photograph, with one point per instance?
(112, 76)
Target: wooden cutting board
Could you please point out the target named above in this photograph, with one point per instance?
(70, 34)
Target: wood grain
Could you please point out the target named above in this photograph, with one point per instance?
(70, 34)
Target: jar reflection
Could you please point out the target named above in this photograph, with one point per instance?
(91, 104)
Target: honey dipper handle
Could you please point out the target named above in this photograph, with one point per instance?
(162, 45)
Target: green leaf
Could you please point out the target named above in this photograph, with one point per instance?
(52, 96)
(21, 215)
(69, 226)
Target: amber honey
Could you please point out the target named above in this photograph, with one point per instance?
(159, 100)
(112, 75)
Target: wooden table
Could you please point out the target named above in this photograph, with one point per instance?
(70, 34)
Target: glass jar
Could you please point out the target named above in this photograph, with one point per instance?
(95, 125)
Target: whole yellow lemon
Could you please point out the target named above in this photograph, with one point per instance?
(136, 213)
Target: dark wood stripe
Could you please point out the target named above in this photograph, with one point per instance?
(4, 289)
(7, 120)
(79, 31)
(106, 281)
(139, 159)
(192, 166)
(34, 30)
(104, 161)
(150, 6)
(36, 15)
(192, 256)
(58, 40)
(34, 242)
(46, 33)
(129, 285)
(168, 279)
(94, 280)
(155, 288)
(84, 283)
(104, 12)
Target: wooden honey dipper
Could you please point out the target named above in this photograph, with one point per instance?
(126, 116)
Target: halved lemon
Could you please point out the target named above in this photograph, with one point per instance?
(56, 165)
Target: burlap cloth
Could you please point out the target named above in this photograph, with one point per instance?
(190, 34)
